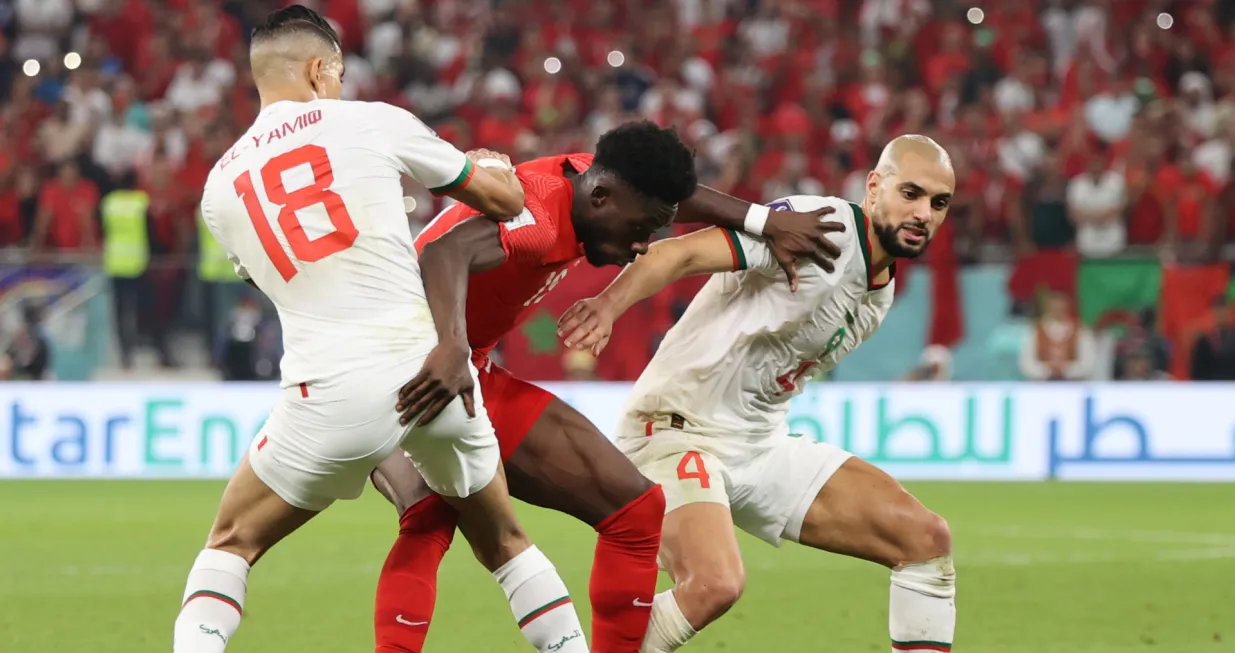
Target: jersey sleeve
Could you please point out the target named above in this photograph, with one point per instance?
(530, 236)
(752, 252)
(421, 153)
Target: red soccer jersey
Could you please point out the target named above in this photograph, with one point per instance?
(540, 248)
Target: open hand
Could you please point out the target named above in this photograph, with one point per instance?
(444, 376)
(587, 325)
(792, 235)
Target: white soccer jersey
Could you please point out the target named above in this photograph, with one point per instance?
(309, 205)
(747, 345)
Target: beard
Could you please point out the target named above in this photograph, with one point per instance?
(889, 238)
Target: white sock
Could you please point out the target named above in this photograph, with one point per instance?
(541, 604)
(669, 630)
(922, 606)
(212, 604)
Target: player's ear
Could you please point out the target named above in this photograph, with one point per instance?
(872, 184)
(315, 74)
(599, 195)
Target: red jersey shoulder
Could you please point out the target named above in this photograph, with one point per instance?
(556, 165)
(445, 221)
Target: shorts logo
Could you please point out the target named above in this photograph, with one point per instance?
(676, 422)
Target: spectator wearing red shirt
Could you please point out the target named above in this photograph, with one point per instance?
(68, 206)
(1187, 199)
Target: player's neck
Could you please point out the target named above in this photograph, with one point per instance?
(270, 96)
(880, 261)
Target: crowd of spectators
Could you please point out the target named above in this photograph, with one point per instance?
(1088, 125)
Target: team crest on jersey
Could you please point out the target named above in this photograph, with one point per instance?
(834, 342)
(522, 220)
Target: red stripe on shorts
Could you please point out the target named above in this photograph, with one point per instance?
(304, 390)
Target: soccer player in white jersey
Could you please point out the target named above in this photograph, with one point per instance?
(309, 206)
(707, 418)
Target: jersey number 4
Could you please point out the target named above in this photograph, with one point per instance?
(289, 203)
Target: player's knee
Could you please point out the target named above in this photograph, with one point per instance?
(924, 536)
(710, 592)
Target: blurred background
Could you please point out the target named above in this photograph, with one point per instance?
(1089, 245)
(1092, 140)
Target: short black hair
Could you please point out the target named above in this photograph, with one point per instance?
(295, 19)
(653, 161)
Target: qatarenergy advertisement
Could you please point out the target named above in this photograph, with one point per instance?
(1152, 431)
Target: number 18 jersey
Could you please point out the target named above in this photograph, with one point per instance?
(308, 204)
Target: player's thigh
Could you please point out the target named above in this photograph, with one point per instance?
(456, 454)
(397, 479)
(252, 518)
(315, 450)
(698, 539)
(774, 480)
(566, 464)
(863, 512)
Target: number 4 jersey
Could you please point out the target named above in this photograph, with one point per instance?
(747, 345)
(308, 205)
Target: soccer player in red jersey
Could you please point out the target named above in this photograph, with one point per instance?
(604, 209)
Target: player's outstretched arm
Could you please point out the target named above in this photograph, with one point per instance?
(494, 190)
(790, 235)
(445, 264)
(443, 169)
(497, 194)
(589, 322)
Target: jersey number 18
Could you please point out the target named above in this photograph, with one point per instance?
(289, 203)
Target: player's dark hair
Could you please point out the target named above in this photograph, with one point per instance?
(651, 160)
(295, 19)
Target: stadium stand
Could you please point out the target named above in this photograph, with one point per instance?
(1093, 143)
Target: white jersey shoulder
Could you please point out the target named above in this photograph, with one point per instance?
(308, 204)
(747, 345)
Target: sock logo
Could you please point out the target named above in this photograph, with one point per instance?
(641, 604)
(405, 622)
(212, 631)
(558, 646)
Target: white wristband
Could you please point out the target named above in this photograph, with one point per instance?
(756, 218)
(491, 162)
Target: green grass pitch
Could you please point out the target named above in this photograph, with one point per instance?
(1065, 568)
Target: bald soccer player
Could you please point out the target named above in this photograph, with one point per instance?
(309, 206)
(708, 417)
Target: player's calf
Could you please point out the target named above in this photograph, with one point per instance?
(564, 463)
(863, 512)
(251, 520)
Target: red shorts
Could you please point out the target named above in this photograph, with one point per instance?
(513, 405)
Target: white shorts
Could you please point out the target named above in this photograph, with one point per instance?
(315, 449)
(768, 484)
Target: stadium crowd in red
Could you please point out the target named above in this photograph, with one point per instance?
(1076, 126)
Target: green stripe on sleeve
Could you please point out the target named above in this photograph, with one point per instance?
(739, 254)
(459, 182)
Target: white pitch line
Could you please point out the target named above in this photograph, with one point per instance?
(1093, 534)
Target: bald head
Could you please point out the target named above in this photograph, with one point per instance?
(295, 51)
(923, 148)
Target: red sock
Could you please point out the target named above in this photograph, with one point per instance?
(624, 574)
(407, 588)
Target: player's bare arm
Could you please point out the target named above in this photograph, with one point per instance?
(445, 263)
(498, 165)
(494, 192)
(791, 236)
(589, 323)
